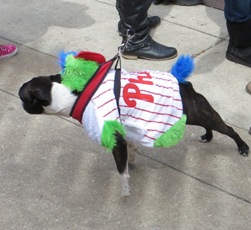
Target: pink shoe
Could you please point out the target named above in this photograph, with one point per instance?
(7, 51)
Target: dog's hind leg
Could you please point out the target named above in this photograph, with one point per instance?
(200, 112)
(121, 158)
(217, 124)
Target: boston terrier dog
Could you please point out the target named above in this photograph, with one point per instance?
(118, 108)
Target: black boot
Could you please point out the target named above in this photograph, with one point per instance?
(164, 2)
(133, 17)
(153, 22)
(187, 2)
(239, 47)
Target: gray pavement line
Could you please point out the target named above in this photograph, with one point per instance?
(197, 30)
(209, 48)
(71, 121)
(195, 178)
(104, 2)
(27, 47)
(9, 40)
(11, 94)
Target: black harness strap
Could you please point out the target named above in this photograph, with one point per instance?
(117, 82)
(90, 89)
(92, 86)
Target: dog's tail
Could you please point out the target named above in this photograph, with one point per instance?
(183, 67)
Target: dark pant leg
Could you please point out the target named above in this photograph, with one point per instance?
(133, 16)
(237, 10)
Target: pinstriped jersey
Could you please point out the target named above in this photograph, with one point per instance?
(150, 105)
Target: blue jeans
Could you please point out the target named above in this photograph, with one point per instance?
(237, 10)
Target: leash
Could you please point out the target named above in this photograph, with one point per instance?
(93, 84)
(117, 79)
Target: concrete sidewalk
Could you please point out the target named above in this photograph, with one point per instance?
(53, 177)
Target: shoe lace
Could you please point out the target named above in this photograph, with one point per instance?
(3, 48)
(128, 37)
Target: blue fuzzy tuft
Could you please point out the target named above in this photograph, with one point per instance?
(62, 58)
(183, 67)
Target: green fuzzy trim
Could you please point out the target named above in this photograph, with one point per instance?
(173, 135)
(77, 72)
(108, 138)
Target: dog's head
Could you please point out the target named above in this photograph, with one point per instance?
(47, 95)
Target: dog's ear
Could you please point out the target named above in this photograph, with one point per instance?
(35, 94)
(56, 78)
(34, 100)
(40, 96)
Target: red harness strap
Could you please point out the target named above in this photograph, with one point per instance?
(90, 89)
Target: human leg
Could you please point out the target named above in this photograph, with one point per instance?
(133, 17)
(238, 17)
(153, 21)
(237, 11)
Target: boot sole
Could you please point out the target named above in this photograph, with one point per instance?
(129, 57)
(237, 60)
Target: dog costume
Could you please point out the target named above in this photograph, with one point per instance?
(145, 107)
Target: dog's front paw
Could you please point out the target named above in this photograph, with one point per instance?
(126, 191)
(244, 150)
(125, 187)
